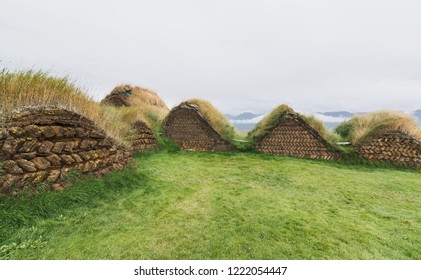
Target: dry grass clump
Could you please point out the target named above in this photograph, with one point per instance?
(145, 100)
(149, 102)
(134, 103)
(130, 115)
(217, 120)
(36, 88)
(361, 127)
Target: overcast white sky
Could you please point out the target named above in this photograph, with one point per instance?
(241, 55)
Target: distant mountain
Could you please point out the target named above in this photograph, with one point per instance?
(417, 114)
(243, 116)
(338, 114)
(244, 127)
(333, 119)
(247, 121)
(244, 121)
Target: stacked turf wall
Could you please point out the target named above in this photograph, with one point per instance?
(41, 145)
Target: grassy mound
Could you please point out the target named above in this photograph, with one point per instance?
(36, 88)
(131, 115)
(216, 119)
(270, 121)
(361, 127)
(134, 103)
(149, 102)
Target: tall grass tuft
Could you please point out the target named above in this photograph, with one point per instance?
(361, 127)
(148, 102)
(143, 105)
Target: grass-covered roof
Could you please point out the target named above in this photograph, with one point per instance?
(361, 127)
(144, 99)
(135, 103)
(215, 118)
(36, 88)
(271, 120)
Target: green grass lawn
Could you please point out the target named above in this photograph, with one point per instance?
(189, 205)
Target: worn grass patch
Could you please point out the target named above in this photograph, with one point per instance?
(202, 205)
